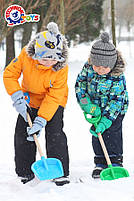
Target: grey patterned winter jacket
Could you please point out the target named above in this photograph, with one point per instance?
(107, 91)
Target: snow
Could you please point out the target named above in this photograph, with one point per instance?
(79, 142)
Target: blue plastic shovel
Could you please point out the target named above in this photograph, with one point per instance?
(45, 169)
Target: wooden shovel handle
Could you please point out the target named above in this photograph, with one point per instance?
(104, 149)
(35, 136)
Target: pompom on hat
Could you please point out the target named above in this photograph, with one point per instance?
(103, 53)
(49, 44)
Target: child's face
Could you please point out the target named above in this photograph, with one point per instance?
(101, 70)
(47, 62)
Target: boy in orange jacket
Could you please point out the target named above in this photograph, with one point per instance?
(43, 64)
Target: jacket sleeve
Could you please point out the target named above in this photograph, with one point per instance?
(12, 73)
(116, 101)
(81, 84)
(55, 95)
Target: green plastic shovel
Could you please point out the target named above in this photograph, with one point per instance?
(111, 172)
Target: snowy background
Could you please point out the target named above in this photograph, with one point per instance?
(79, 142)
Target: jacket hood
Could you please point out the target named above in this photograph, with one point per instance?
(59, 65)
(119, 67)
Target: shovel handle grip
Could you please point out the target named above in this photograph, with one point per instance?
(35, 136)
(104, 149)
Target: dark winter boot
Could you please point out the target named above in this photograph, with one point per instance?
(97, 170)
(99, 167)
(27, 178)
(61, 181)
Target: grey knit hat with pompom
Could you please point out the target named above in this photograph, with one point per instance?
(49, 44)
(103, 53)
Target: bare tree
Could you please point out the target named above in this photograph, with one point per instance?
(113, 22)
(10, 49)
(3, 28)
(7, 32)
(70, 7)
(62, 14)
(106, 13)
(27, 31)
(28, 5)
(51, 12)
(129, 14)
(124, 15)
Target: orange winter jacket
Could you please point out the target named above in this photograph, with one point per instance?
(47, 88)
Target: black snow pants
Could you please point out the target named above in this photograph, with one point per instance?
(113, 141)
(56, 143)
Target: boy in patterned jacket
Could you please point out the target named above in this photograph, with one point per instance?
(101, 92)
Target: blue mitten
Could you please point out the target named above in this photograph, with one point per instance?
(38, 124)
(20, 103)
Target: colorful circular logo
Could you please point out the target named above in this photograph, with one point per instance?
(15, 15)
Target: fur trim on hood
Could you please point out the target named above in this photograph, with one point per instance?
(59, 65)
(119, 67)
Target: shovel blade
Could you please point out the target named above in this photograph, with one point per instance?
(47, 169)
(112, 173)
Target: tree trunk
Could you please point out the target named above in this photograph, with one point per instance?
(39, 24)
(10, 49)
(26, 33)
(62, 16)
(113, 22)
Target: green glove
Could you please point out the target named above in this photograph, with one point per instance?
(101, 127)
(94, 121)
(88, 107)
(92, 131)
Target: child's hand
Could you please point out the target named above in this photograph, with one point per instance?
(20, 103)
(36, 128)
(92, 131)
(89, 108)
(101, 127)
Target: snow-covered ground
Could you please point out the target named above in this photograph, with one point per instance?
(79, 142)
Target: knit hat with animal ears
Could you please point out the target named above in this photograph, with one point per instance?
(49, 44)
